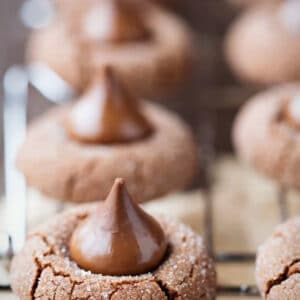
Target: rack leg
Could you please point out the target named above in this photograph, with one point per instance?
(60, 207)
(207, 158)
(282, 203)
(208, 222)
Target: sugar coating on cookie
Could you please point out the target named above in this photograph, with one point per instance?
(44, 270)
(64, 169)
(266, 138)
(263, 44)
(277, 265)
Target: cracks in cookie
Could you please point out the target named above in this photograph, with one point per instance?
(55, 291)
(37, 278)
(285, 275)
(38, 264)
(72, 290)
(47, 242)
(113, 293)
(42, 266)
(65, 275)
(57, 273)
(171, 295)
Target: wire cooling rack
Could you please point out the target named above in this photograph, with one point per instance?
(206, 144)
(236, 258)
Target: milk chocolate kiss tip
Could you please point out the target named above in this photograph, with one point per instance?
(291, 112)
(115, 21)
(107, 113)
(118, 238)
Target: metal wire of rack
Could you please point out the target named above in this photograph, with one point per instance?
(206, 139)
(208, 157)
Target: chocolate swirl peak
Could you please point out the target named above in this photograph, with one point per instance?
(291, 112)
(107, 113)
(114, 21)
(119, 238)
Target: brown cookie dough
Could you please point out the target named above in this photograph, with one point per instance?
(265, 140)
(148, 67)
(67, 170)
(263, 44)
(277, 266)
(43, 270)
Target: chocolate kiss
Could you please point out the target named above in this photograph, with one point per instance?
(114, 21)
(291, 112)
(119, 238)
(106, 113)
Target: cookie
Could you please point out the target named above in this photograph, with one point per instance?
(64, 169)
(277, 265)
(263, 45)
(46, 267)
(266, 138)
(160, 62)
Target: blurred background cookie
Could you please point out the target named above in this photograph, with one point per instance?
(105, 134)
(266, 134)
(263, 44)
(150, 48)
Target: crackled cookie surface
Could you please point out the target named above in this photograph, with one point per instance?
(263, 44)
(266, 134)
(277, 266)
(44, 269)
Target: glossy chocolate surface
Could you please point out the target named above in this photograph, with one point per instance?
(291, 112)
(113, 21)
(119, 238)
(106, 113)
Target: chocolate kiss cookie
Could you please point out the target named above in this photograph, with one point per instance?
(266, 134)
(75, 152)
(263, 45)
(277, 265)
(107, 114)
(168, 259)
(150, 48)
